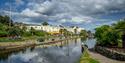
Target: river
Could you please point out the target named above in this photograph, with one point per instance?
(70, 52)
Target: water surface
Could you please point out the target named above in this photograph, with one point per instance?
(70, 52)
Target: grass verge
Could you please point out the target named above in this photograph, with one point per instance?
(86, 58)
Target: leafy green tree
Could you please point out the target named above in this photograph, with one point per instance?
(120, 25)
(75, 30)
(106, 36)
(23, 30)
(61, 31)
(83, 33)
(32, 30)
(40, 33)
(6, 20)
(14, 31)
(3, 32)
(45, 23)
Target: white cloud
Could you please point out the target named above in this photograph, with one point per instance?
(29, 13)
(70, 11)
(81, 19)
(40, 7)
(19, 2)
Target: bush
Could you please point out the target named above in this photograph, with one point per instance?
(40, 33)
(110, 35)
(41, 39)
(106, 36)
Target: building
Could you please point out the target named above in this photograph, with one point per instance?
(53, 29)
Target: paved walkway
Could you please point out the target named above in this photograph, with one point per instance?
(103, 59)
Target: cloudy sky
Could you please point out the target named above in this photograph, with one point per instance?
(83, 13)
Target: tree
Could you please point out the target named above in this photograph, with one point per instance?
(6, 20)
(24, 28)
(45, 23)
(120, 28)
(83, 33)
(120, 25)
(14, 31)
(76, 30)
(106, 36)
(32, 30)
(3, 32)
(61, 31)
(40, 33)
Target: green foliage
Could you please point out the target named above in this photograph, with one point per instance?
(27, 34)
(3, 31)
(110, 35)
(9, 40)
(75, 30)
(45, 23)
(61, 31)
(14, 31)
(41, 39)
(32, 30)
(120, 25)
(40, 33)
(86, 58)
(66, 32)
(83, 33)
(6, 20)
(10, 29)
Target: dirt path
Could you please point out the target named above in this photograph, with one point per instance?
(103, 59)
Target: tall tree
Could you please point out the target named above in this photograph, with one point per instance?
(76, 30)
(6, 20)
(45, 23)
(61, 31)
(32, 30)
(106, 36)
(83, 33)
(14, 31)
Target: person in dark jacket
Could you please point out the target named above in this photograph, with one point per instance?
(82, 47)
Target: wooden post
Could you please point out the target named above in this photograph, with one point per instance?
(123, 41)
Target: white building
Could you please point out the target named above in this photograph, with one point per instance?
(53, 29)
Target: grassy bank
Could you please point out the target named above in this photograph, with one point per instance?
(10, 40)
(86, 58)
(6, 39)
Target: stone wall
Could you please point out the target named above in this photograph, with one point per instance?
(110, 53)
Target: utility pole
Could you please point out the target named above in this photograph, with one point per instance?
(10, 16)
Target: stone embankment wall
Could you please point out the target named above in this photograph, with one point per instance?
(110, 53)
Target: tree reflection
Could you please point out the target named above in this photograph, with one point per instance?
(83, 39)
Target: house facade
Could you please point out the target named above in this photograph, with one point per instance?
(53, 29)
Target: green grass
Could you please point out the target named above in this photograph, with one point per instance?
(86, 58)
(120, 43)
(9, 40)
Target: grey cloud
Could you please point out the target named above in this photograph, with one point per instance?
(58, 10)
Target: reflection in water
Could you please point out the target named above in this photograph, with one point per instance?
(4, 56)
(68, 51)
(83, 39)
(90, 42)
